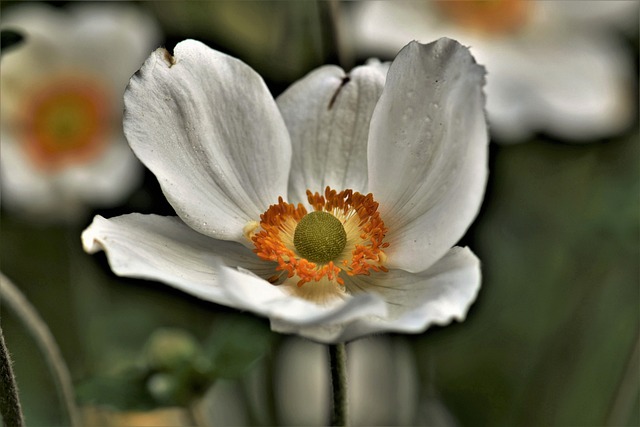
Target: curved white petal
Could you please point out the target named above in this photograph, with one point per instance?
(428, 151)
(397, 301)
(328, 114)
(289, 314)
(207, 127)
(436, 296)
(165, 249)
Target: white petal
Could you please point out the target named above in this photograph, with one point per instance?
(328, 114)
(433, 297)
(396, 301)
(107, 180)
(165, 249)
(103, 39)
(332, 323)
(66, 194)
(114, 38)
(207, 127)
(384, 27)
(428, 151)
(40, 21)
(26, 190)
(44, 55)
(573, 86)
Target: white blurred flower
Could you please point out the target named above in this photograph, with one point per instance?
(227, 157)
(383, 383)
(63, 148)
(553, 66)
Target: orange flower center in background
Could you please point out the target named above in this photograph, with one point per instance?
(343, 235)
(489, 17)
(66, 122)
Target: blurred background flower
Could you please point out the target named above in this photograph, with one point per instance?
(557, 67)
(383, 382)
(61, 97)
(552, 339)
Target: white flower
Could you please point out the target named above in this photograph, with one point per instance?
(554, 66)
(63, 148)
(392, 179)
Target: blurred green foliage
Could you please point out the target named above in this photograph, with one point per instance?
(174, 369)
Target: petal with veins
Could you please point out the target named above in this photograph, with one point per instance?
(428, 149)
(328, 114)
(207, 127)
(163, 248)
(290, 314)
(437, 296)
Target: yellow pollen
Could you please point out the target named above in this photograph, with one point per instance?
(343, 235)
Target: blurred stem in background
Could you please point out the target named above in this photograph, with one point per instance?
(40, 333)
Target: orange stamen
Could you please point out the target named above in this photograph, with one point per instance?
(363, 253)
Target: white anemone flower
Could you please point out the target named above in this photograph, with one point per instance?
(331, 210)
(554, 66)
(63, 148)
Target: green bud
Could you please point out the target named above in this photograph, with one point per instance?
(170, 348)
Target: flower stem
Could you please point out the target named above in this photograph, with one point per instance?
(338, 362)
(40, 333)
(9, 400)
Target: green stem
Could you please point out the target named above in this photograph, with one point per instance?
(9, 400)
(338, 362)
(40, 333)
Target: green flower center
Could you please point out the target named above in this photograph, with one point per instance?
(319, 237)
